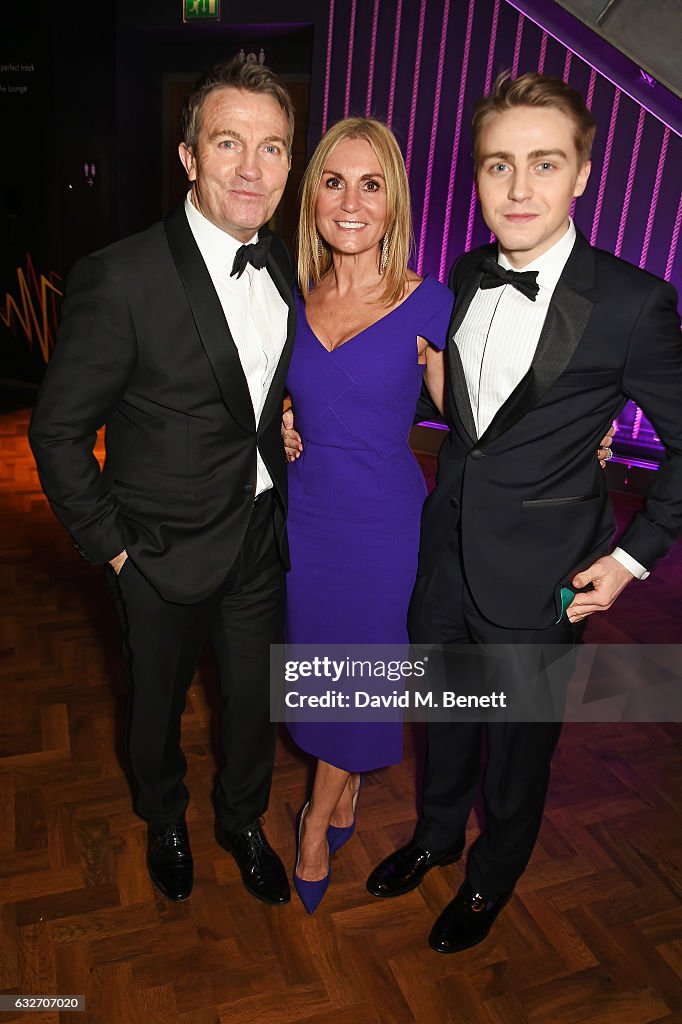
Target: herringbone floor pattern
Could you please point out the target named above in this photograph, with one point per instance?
(593, 934)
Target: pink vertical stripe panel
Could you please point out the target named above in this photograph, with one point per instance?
(654, 198)
(349, 67)
(517, 46)
(486, 90)
(673, 242)
(434, 133)
(590, 89)
(456, 140)
(543, 54)
(372, 51)
(567, 66)
(605, 168)
(631, 178)
(491, 48)
(415, 86)
(588, 104)
(394, 61)
(328, 68)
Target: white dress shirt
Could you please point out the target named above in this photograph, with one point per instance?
(255, 312)
(499, 335)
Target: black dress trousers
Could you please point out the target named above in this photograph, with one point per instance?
(442, 611)
(162, 643)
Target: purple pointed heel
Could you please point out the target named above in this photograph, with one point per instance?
(338, 836)
(310, 894)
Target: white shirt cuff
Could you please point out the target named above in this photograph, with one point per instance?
(630, 563)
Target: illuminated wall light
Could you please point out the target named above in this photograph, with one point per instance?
(543, 53)
(590, 89)
(415, 86)
(349, 69)
(456, 140)
(673, 242)
(394, 61)
(631, 177)
(434, 133)
(372, 53)
(605, 168)
(328, 68)
(654, 198)
(517, 46)
(35, 310)
(486, 89)
(567, 66)
(636, 424)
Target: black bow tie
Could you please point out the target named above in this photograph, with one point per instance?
(255, 253)
(524, 281)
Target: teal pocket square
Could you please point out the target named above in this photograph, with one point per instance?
(567, 596)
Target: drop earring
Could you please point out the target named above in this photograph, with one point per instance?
(383, 258)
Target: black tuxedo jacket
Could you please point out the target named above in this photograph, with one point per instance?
(144, 348)
(529, 498)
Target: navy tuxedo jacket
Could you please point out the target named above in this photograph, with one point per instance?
(144, 347)
(528, 498)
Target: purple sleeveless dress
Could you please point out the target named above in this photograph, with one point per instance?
(355, 500)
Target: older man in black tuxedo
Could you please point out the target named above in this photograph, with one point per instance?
(179, 339)
(548, 340)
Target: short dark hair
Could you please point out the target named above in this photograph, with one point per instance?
(535, 90)
(235, 74)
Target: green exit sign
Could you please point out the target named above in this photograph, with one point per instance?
(200, 10)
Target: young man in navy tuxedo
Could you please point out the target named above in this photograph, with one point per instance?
(179, 339)
(548, 340)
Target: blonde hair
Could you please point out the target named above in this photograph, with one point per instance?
(311, 265)
(535, 90)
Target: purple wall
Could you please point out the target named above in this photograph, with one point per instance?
(421, 65)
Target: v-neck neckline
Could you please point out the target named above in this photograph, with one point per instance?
(354, 337)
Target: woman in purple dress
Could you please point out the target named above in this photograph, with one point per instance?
(369, 331)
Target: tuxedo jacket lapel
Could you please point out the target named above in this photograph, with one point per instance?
(274, 396)
(458, 384)
(209, 318)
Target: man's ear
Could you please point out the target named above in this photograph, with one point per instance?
(187, 160)
(581, 180)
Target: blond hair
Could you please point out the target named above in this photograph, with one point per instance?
(535, 90)
(312, 266)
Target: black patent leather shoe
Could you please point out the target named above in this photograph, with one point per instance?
(404, 870)
(169, 861)
(466, 920)
(262, 871)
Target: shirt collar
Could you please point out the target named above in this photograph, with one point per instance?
(551, 264)
(217, 247)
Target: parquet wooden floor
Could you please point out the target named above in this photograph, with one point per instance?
(593, 933)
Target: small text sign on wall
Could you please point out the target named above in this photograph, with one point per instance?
(200, 10)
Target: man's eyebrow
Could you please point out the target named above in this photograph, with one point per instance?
(500, 155)
(535, 154)
(229, 133)
(217, 132)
